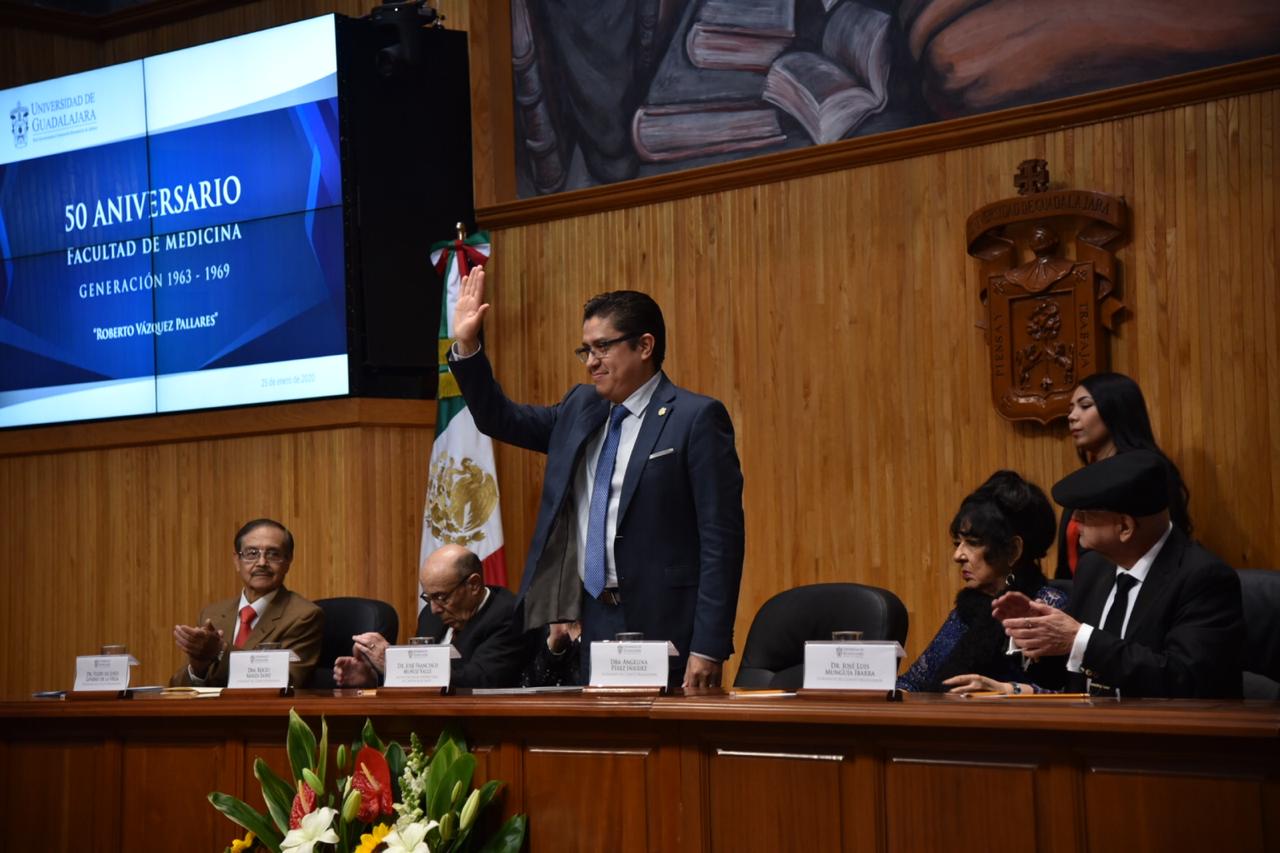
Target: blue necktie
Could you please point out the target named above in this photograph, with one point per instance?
(598, 514)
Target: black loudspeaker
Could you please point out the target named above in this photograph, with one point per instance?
(405, 107)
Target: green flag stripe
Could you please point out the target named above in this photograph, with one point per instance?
(449, 407)
(445, 307)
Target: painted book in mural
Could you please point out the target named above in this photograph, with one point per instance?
(691, 111)
(832, 92)
(741, 34)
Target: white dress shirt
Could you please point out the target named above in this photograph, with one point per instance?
(1139, 570)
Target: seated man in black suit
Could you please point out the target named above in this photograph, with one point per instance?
(1152, 613)
(462, 611)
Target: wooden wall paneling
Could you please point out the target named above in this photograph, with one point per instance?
(588, 799)
(863, 810)
(488, 25)
(60, 794)
(180, 772)
(933, 805)
(27, 56)
(1221, 812)
(775, 800)
(1271, 813)
(835, 316)
(122, 543)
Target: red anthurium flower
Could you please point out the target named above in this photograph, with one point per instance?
(372, 778)
(304, 803)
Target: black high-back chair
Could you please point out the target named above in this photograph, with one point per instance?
(344, 617)
(774, 653)
(1260, 591)
(1063, 585)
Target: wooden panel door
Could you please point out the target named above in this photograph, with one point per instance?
(958, 806)
(587, 800)
(164, 792)
(761, 799)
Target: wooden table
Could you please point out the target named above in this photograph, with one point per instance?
(711, 772)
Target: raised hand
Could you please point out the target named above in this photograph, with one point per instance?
(468, 314)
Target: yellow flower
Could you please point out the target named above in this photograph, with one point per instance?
(369, 841)
(242, 844)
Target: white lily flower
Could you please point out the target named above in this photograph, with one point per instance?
(317, 828)
(410, 839)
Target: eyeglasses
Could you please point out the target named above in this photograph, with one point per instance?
(601, 348)
(440, 597)
(251, 555)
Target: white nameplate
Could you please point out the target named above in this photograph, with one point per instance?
(258, 669)
(630, 664)
(834, 665)
(419, 666)
(102, 672)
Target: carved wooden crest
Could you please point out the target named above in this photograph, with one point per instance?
(1048, 279)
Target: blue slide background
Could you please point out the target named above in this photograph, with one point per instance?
(284, 297)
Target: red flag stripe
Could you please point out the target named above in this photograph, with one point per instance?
(495, 568)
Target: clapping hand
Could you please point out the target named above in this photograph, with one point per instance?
(1038, 629)
(201, 644)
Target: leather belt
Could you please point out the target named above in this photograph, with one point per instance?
(611, 596)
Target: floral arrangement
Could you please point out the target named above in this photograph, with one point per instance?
(387, 800)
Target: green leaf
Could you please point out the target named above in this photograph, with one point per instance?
(239, 812)
(301, 745)
(396, 761)
(509, 837)
(461, 770)
(452, 736)
(370, 736)
(488, 790)
(485, 794)
(277, 792)
(322, 759)
(437, 771)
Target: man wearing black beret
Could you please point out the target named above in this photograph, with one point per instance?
(1152, 613)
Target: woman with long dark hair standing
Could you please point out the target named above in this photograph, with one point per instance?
(1109, 416)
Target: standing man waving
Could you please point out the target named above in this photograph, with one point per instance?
(640, 526)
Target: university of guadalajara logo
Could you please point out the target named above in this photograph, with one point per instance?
(19, 116)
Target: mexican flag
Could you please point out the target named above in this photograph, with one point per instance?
(462, 486)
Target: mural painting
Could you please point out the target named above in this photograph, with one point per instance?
(609, 90)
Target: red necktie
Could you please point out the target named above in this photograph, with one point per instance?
(246, 623)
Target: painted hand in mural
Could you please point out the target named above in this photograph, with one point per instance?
(468, 316)
(978, 55)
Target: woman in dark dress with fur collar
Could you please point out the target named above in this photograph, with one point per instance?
(1001, 532)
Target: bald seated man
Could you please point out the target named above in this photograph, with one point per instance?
(265, 612)
(477, 620)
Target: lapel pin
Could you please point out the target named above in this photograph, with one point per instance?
(662, 411)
